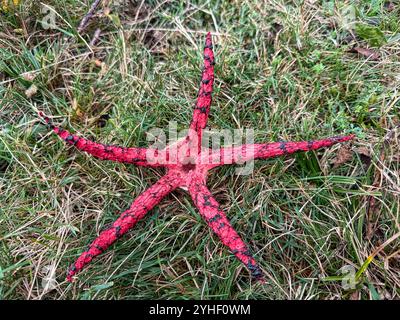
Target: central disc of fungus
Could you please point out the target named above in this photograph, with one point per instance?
(188, 167)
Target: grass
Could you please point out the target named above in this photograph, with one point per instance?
(283, 68)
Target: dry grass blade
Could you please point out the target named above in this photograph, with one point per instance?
(88, 16)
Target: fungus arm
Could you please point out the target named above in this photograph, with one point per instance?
(136, 156)
(219, 223)
(127, 220)
(248, 152)
(202, 108)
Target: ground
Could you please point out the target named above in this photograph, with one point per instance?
(322, 225)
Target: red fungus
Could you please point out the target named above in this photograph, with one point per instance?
(188, 170)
